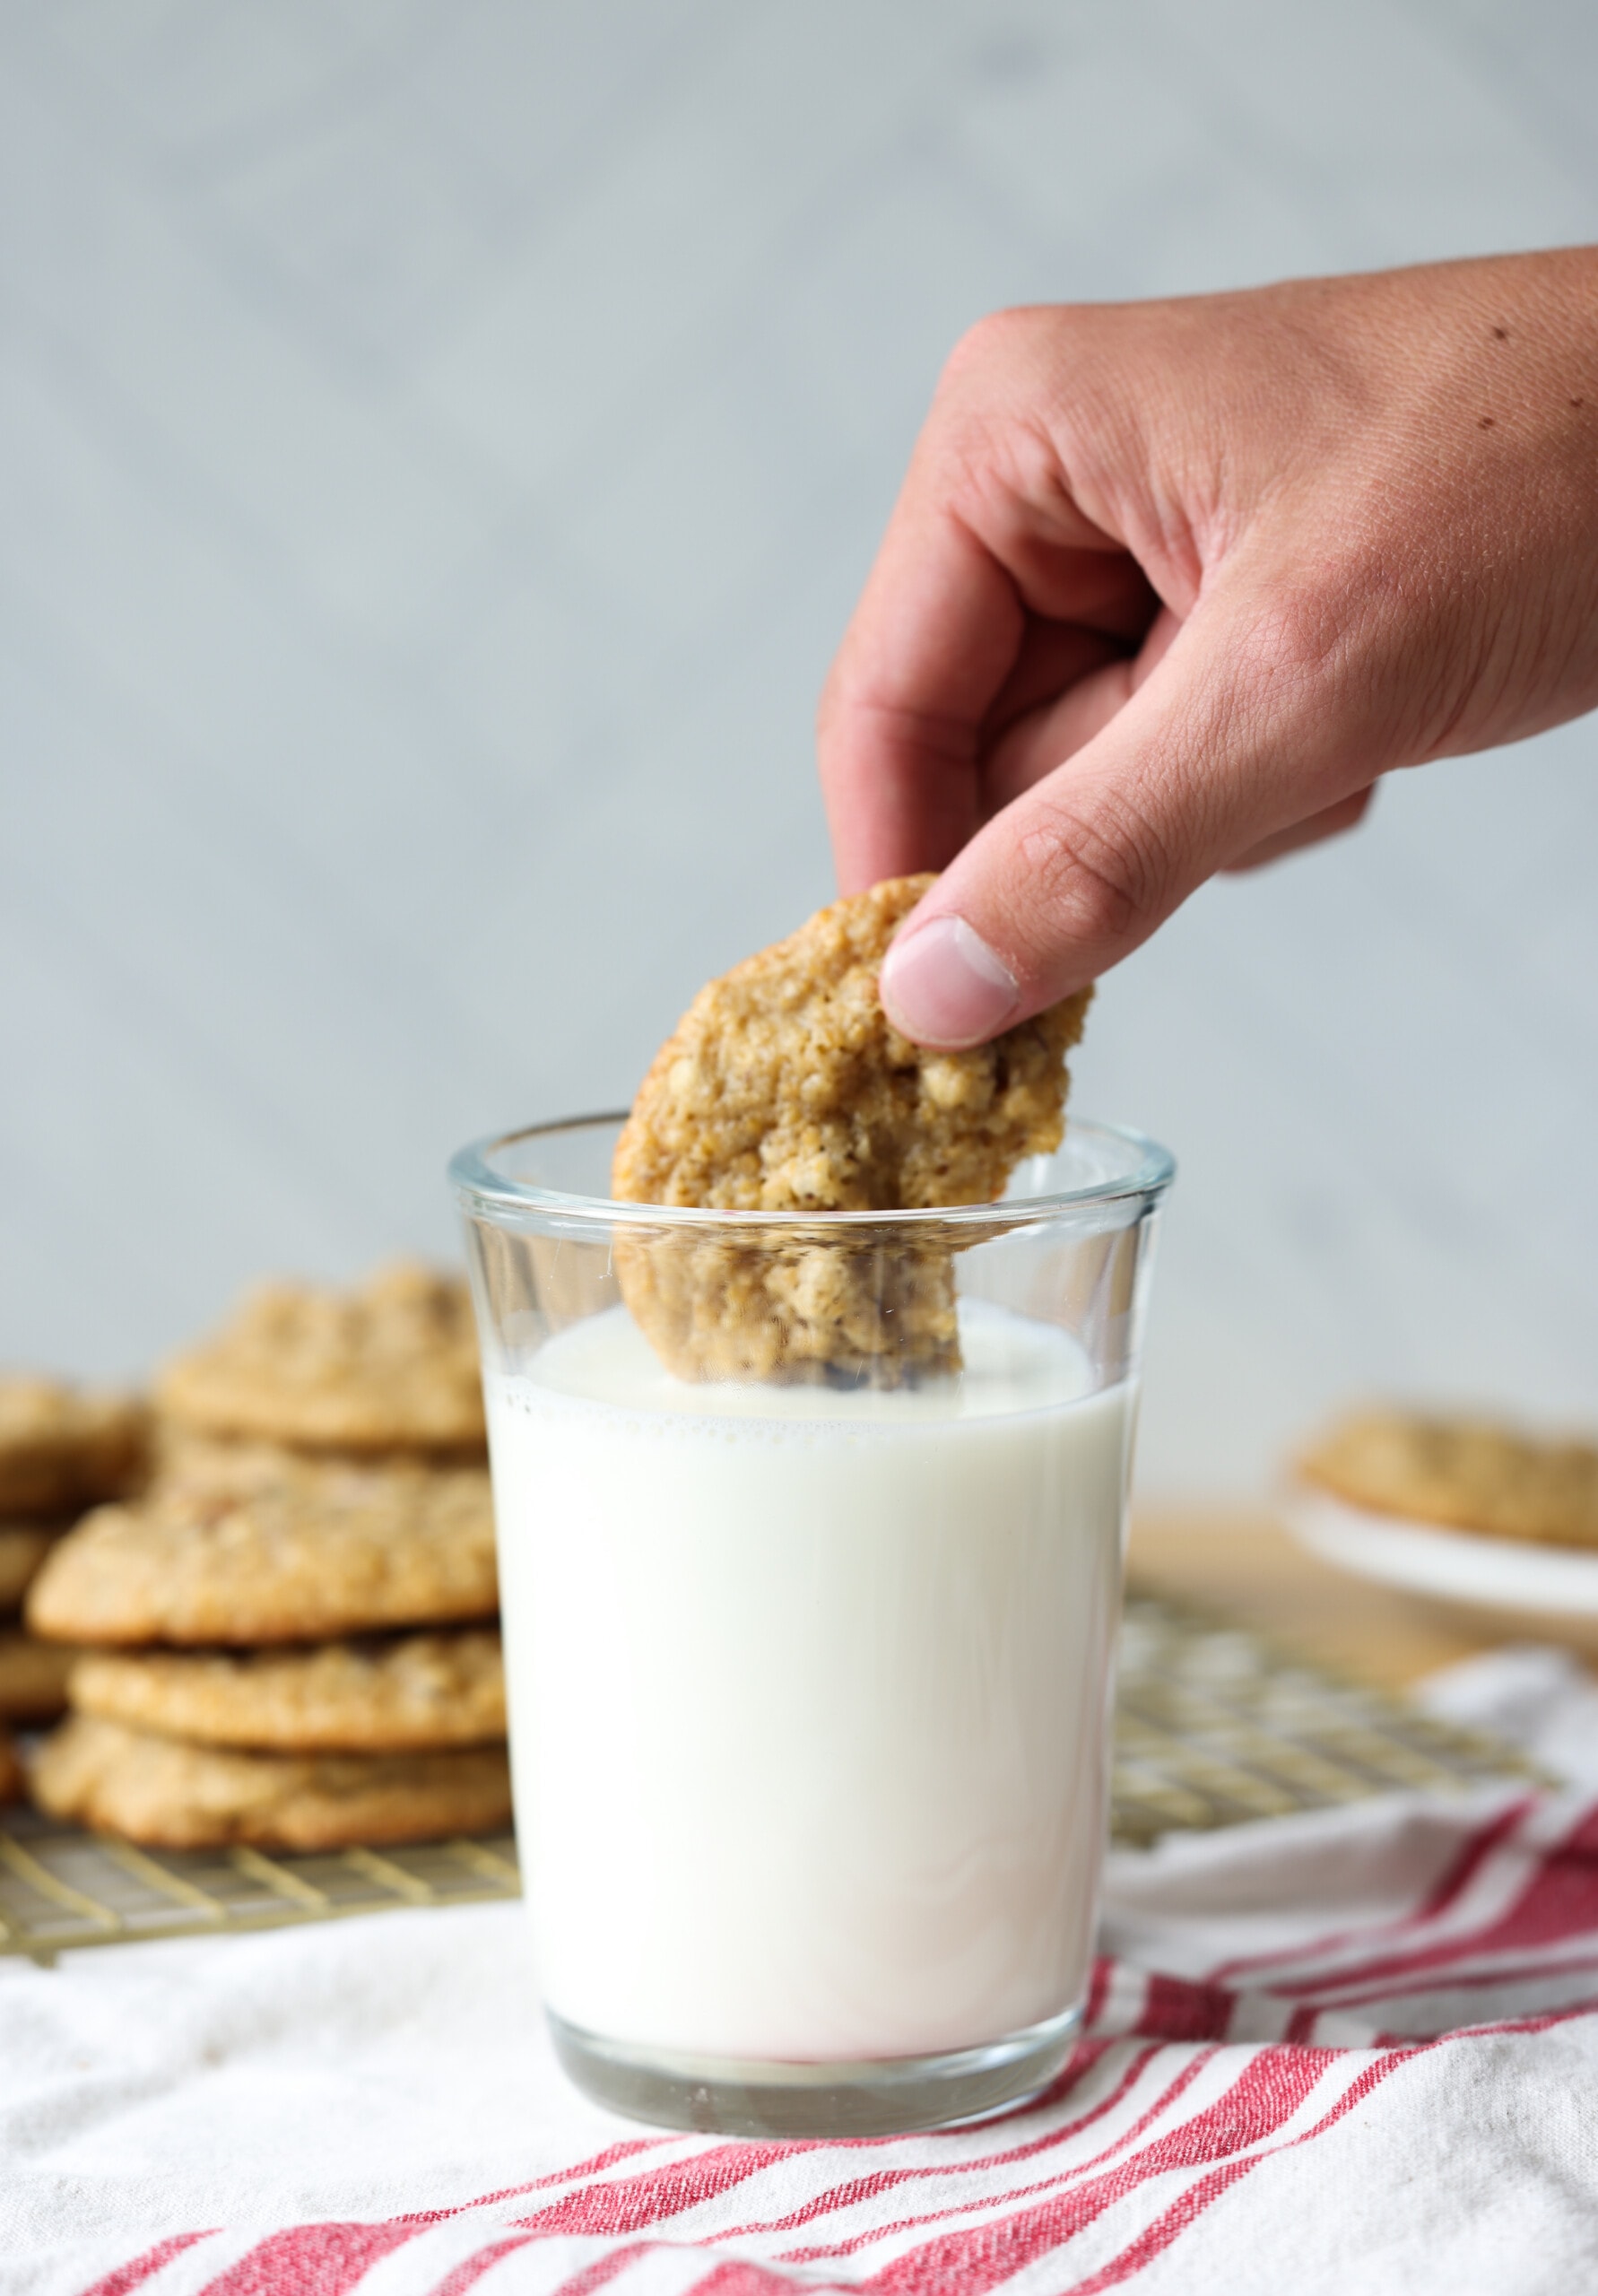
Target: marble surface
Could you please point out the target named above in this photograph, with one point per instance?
(439, 445)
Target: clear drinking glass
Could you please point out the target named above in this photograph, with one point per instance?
(809, 1638)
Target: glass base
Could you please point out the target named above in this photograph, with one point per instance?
(728, 2096)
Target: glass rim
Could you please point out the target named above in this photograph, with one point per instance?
(478, 1188)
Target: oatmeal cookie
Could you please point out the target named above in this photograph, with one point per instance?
(172, 1795)
(32, 1676)
(865, 1312)
(14, 1783)
(390, 1366)
(392, 1697)
(313, 1550)
(24, 1546)
(1468, 1475)
(61, 1448)
(786, 1088)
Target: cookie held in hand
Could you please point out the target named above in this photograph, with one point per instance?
(786, 1088)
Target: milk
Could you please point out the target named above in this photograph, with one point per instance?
(807, 1692)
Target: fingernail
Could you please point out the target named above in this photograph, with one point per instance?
(943, 985)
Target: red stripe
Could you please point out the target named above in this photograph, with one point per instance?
(1269, 2090)
(1560, 1900)
(1193, 2204)
(313, 2259)
(603, 2268)
(1457, 1980)
(734, 2277)
(1120, 1998)
(1084, 2058)
(740, 2277)
(468, 2274)
(128, 2276)
(838, 2197)
(1467, 1864)
(1539, 2024)
(325, 2260)
(1557, 1904)
(634, 2204)
(1177, 2010)
(1162, 2103)
(1478, 1847)
(594, 2166)
(1186, 2211)
(631, 2203)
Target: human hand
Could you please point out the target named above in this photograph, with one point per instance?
(1170, 585)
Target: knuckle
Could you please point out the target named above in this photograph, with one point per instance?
(1299, 631)
(996, 346)
(1096, 877)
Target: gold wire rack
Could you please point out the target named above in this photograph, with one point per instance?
(1213, 1725)
(1216, 1725)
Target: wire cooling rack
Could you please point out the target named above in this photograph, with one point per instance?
(1213, 1725)
(61, 1887)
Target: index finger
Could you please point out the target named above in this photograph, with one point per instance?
(929, 647)
(985, 549)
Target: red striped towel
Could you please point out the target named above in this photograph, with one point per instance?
(1354, 2052)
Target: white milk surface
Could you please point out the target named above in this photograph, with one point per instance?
(807, 1692)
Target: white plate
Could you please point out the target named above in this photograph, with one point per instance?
(1537, 1583)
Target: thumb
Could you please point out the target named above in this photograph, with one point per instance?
(1241, 732)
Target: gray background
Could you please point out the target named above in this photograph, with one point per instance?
(439, 445)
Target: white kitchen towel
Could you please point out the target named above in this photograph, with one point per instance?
(1350, 2052)
(1544, 1702)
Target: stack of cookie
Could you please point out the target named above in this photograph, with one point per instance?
(60, 1451)
(292, 1631)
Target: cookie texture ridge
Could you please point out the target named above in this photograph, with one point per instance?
(392, 1365)
(171, 1795)
(419, 1692)
(295, 1550)
(1467, 1474)
(786, 1088)
(61, 1448)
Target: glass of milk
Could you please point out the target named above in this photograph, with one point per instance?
(809, 1678)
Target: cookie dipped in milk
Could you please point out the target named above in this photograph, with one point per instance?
(810, 1442)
